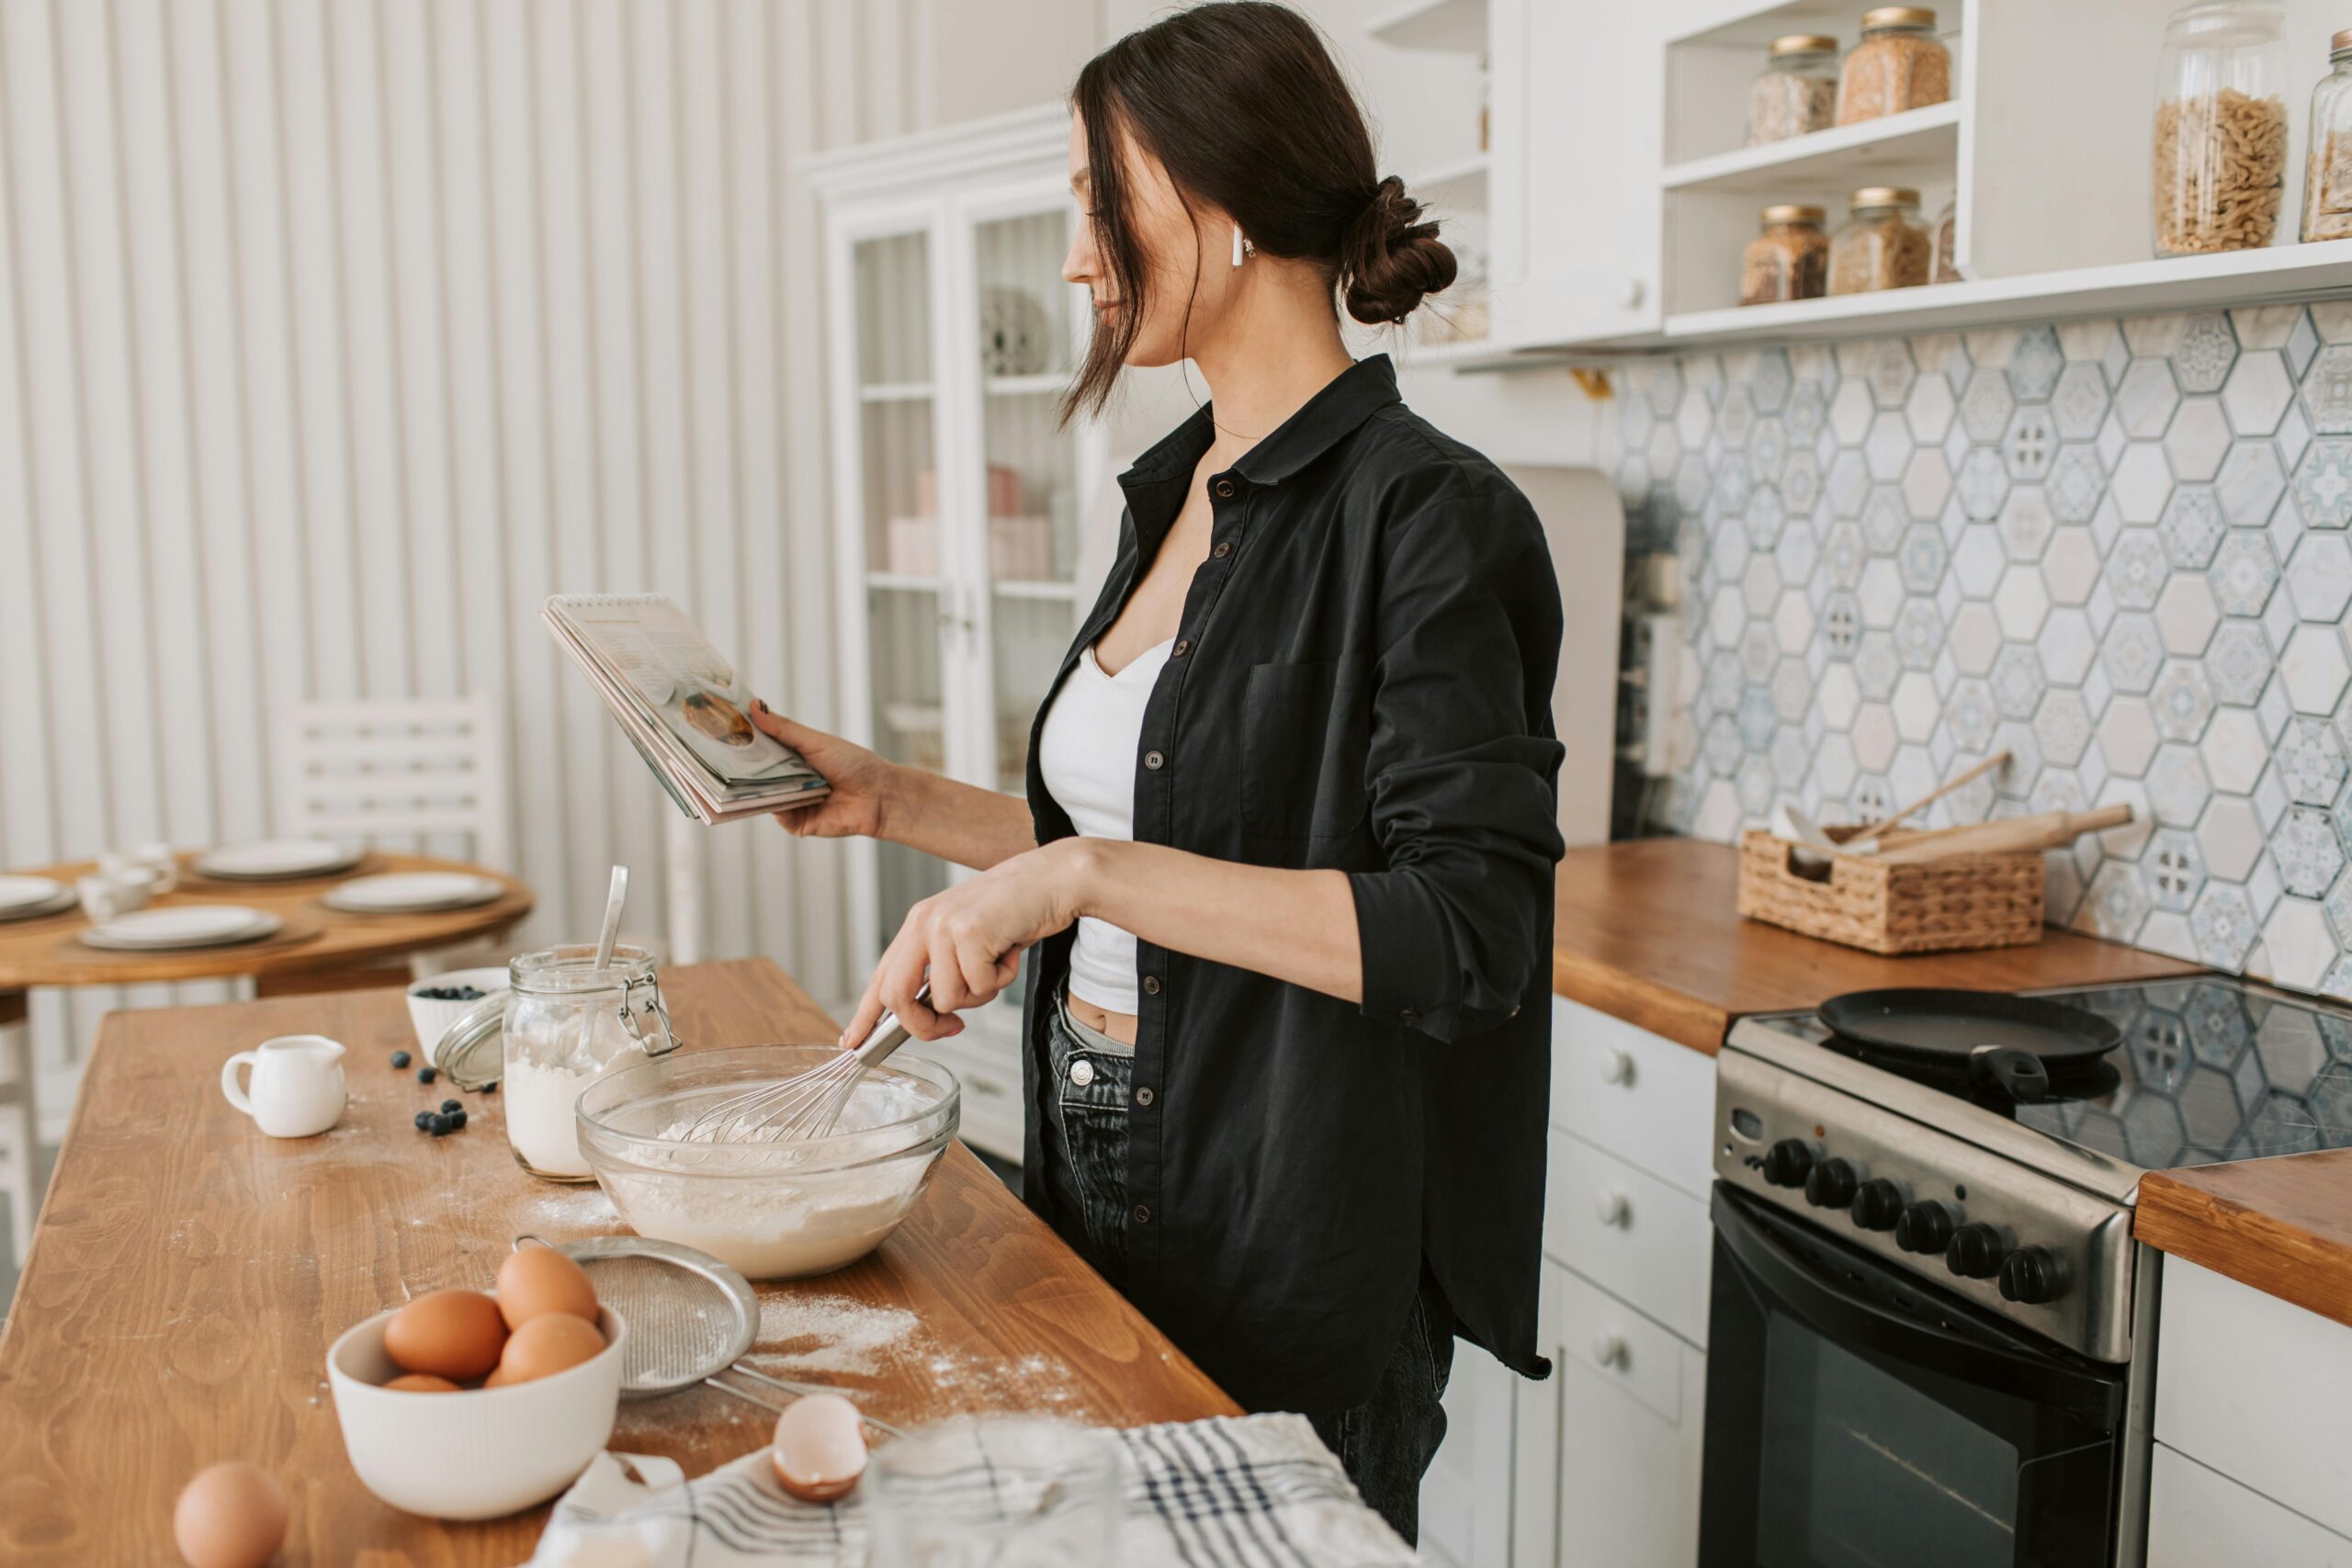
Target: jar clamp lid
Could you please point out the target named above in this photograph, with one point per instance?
(1803, 43)
(1883, 195)
(472, 1053)
(1792, 212)
(1897, 16)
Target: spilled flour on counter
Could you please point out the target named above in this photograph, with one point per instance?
(563, 1213)
(833, 1334)
(823, 1338)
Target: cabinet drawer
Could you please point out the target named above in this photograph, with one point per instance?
(1642, 1098)
(2246, 1385)
(2198, 1517)
(1620, 1226)
(1627, 1472)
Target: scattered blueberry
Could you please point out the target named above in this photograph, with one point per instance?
(423, 1120)
(424, 1075)
(453, 1105)
(437, 1125)
(449, 994)
(457, 1119)
(491, 1088)
(400, 1058)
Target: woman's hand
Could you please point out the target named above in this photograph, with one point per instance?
(968, 941)
(863, 786)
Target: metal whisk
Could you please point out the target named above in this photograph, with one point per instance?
(805, 1105)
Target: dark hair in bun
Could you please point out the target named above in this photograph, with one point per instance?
(1242, 104)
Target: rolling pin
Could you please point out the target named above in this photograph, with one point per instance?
(2047, 831)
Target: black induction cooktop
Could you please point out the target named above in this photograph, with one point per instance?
(2210, 1068)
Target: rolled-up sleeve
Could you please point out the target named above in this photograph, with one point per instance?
(1463, 768)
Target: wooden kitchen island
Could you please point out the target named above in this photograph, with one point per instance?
(188, 1274)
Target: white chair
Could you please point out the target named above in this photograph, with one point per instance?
(406, 771)
(20, 1133)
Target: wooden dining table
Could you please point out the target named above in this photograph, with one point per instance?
(315, 948)
(188, 1275)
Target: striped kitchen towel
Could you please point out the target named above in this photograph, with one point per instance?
(1228, 1492)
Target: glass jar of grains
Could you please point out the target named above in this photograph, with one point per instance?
(2220, 152)
(1797, 92)
(1945, 268)
(2327, 167)
(1883, 245)
(1900, 64)
(1788, 260)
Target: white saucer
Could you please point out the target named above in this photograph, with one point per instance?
(22, 898)
(279, 860)
(413, 892)
(182, 925)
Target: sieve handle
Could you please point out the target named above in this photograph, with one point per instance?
(887, 1036)
(798, 1390)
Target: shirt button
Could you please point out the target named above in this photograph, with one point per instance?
(1183, 646)
(1151, 985)
(1152, 760)
(1224, 490)
(1143, 1213)
(1081, 1072)
(1409, 1018)
(1224, 548)
(1143, 1097)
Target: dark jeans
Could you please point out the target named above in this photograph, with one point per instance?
(1386, 1443)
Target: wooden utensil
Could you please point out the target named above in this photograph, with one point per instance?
(1865, 835)
(2047, 831)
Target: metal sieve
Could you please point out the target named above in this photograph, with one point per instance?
(691, 1318)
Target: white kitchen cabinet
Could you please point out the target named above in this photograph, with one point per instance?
(2198, 1517)
(956, 495)
(1466, 1499)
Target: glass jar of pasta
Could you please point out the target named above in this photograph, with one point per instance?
(2220, 141)
(1883, 245)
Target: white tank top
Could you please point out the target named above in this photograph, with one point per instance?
(1087, 755)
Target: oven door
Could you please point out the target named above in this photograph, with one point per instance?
(1857, 1418)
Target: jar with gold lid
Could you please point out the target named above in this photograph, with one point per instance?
(2327, 166)
(1900, 64)
(1788, 258)
(1797, 92)
(1883, 243)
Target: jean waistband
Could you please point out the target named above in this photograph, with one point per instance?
(1093, 1039)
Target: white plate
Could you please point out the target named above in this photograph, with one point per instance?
(274, 859)
(183, 925)
(21, 893)
(413, 892)
(57, 903)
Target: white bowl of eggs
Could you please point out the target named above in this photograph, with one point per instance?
(470, 1404)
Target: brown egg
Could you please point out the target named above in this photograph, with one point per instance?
(545, 1346)
(231, 1516)
(451, 1334)
(537, 1281)
(421, 1383)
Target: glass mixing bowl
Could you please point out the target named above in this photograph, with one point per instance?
(775, 1210)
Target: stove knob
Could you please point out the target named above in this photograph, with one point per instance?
(1831, 1184)
(1786, 1162)
(1926, 1227)
(2032, 1275)
(1974, 1252)
(1878, 1205)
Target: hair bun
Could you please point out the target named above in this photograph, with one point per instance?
(1390, 258)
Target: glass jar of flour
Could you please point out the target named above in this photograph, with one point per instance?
(564, 1023)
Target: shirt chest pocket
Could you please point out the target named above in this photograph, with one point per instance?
(1306, 731)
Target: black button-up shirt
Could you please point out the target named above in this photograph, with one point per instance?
(1370, 652)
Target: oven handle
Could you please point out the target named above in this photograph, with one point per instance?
(1849, 1319)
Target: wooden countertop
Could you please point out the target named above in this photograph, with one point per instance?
(1646, 932)
(188, 1274)
(2283, 1226)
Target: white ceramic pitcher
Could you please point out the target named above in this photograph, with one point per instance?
(298, 1088)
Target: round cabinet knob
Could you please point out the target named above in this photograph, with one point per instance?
(1925, 1227)
(1612, 1207)
(1831, 1184)
(1609, 1349)
(1877, 1205)
(1631, 293)
(2032, 1275)
(1975, 1251)
(1616, 1065)
(1787, 1162)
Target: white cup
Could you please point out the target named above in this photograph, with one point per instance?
(157, 856)
(108, 893)
(298, 1088)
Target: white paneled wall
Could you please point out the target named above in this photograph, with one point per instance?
(335, 335)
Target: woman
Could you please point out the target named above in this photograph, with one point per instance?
(1286, 858)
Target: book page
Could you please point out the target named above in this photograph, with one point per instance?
(687, 686)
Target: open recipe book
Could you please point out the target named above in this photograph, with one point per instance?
(680, 706)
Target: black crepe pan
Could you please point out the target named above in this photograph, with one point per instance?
(2010, 1043)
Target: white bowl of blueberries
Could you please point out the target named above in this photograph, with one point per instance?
(438, 1001)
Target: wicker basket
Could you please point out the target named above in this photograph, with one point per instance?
(1961, 901)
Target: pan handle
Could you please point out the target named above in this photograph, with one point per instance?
(2020, 1075)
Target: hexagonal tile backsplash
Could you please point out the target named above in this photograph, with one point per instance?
(2120, 550)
